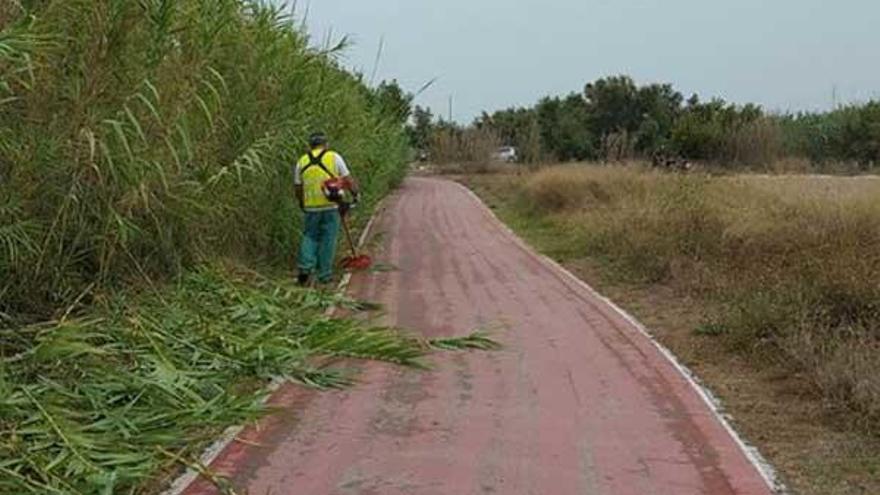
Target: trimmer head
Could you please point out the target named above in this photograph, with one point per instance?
(357, 263)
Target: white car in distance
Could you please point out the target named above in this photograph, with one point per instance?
(506, 154)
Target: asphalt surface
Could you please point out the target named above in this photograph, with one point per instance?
(577, 402)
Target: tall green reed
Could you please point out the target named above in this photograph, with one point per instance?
(137, 138)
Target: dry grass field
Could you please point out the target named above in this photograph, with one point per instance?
(768, 286)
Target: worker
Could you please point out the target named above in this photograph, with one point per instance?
(322, 182)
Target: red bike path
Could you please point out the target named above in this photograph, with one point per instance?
(579, 401)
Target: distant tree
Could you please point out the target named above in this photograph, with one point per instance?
(699, 132)
(849, 134)
(392, 101)
(855, 134)
(420, 127)
(647, 114)
(613, 105)
(724, 133)
(565, 128)
(660, 106)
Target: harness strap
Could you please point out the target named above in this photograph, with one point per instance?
(317, 161)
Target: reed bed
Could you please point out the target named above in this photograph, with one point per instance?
(140, 138)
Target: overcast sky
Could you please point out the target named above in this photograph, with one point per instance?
(491, 54)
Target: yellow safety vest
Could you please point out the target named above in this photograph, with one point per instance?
(313, 176)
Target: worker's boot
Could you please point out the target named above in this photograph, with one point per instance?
(302, 279)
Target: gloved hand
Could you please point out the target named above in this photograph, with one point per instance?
(344, 208)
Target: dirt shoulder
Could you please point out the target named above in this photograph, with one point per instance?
(770, 406)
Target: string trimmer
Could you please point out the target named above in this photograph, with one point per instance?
(335, 189)
(355, 261)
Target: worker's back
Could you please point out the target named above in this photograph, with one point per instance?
(315, 168)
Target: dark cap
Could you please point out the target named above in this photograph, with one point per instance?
(317, 139)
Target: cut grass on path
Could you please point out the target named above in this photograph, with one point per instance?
(108, 401)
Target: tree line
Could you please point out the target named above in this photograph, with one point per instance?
(614, 118)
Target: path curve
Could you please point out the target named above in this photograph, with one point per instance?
(578, 402)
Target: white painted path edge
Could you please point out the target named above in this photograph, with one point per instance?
(765, 469)
(768, 474)
(211, 453)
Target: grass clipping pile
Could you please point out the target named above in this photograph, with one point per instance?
(102, 404)
(787, 267)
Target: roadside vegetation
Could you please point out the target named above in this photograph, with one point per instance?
(137, 138)
(781, 271)
(790, 269)
(145, 152)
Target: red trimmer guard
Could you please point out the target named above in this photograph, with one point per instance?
(357, 263)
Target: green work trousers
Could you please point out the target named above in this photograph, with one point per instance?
(318, 246)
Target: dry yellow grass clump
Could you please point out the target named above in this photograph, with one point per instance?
(789, 266)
